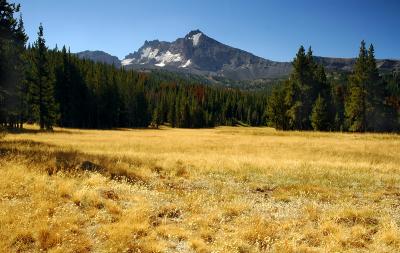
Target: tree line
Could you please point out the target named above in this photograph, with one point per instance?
(52, 87)
(360, 101)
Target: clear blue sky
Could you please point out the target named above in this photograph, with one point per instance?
(270, 29)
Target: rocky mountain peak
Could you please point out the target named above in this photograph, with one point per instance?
(193, 32)
(199, 54)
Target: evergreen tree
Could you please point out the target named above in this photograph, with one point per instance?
(171, 113)
(364, 105)
(304, 84)
(12, 46)
(156, 119)
(276, 110)
(62, 89)
(7, 30)
(356, 101)
(142, 113)
(320, 115)
(42, 86)
(185, 116)
(293, 97)
(338, 101)
(375, 111)
(21, 69)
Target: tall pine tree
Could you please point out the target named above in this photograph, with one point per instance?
(356, 102)
(41, 86)
(12, 47)
(364, 105)
(276, 109)
(307, 80)
(375, 111)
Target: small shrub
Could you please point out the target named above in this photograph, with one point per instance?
(48, 239)
(23, 242)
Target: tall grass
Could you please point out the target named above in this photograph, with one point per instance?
(211, 190)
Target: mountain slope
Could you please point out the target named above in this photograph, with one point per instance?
(199, 54)
(100, 56)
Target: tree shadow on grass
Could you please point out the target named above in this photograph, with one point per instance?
(36, 131)
(50, 159)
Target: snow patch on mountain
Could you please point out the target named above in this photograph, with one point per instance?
(127, 61)
(186, 64)
(167, 57)
(196, 38)
(148, 52)
(161, 64)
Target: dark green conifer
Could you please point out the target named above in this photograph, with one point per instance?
(41, 86)
(319, 115)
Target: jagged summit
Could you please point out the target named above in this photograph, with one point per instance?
(199, 54)
(195, 37)
(193, 32)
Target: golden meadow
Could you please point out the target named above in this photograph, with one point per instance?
(227, 189)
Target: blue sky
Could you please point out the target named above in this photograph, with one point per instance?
(270, 29)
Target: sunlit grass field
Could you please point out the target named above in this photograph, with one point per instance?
(203, 190)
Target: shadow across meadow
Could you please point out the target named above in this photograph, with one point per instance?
(52, 160)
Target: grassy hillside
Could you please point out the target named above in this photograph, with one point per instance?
(211, 190)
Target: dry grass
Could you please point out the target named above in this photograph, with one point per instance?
(211, 190)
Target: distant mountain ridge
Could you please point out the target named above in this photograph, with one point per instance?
(100, 56)
(346, 64)
(199, 54)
